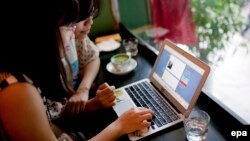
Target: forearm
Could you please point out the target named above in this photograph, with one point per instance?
(89, 74)
(110, 133)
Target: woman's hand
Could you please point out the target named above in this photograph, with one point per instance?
(104, 98)
(133, 120)
(76, 103)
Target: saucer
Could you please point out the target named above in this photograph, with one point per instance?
(110, 68)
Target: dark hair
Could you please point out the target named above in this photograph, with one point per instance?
(29, 45)
(67, 13)
(89, 8)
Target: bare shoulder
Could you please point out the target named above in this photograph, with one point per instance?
(17, 93)
(15, 83)
(19, 87)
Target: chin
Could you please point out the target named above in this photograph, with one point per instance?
(81, 36)
(84, 36)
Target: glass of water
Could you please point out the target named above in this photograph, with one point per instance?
(130, 46)
(196, 125)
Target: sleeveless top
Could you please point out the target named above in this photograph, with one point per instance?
(7, 79)
(83, 49)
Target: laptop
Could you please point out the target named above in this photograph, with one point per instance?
(171, 90)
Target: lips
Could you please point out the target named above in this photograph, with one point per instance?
(82, 34)
(85, 32)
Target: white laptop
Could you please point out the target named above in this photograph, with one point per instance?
(177, 79)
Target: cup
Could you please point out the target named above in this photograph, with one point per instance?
(130, 46)
(196, 125)
(121, 62)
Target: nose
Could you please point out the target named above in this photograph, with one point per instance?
(89, 21)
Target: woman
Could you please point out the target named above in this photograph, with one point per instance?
(34, 59)
(82, 54)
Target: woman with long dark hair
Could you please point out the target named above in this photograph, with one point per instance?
(34, 72)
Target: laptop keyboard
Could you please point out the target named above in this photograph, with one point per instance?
(145, 96)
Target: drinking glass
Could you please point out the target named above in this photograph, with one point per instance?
(196, 125)
(130, 46)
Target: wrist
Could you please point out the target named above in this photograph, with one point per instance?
(91, 105)
(117, 128)
(82, 90)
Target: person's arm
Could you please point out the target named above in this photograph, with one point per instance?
(91, 65)
(23, 115)
(77, 102)
(89, 74)
(132, 120)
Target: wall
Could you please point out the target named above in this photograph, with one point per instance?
(104, 23)
(133, 13)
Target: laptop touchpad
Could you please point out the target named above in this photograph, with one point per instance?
(123, 102)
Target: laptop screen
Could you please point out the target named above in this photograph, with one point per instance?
(177, 75)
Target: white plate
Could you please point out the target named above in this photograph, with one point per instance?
(108, 45)
(110, 68)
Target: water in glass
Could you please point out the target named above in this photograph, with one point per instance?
(196, 129)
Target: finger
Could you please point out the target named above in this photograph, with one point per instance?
(72, 109)
(103, 86)
(145, 123)
(78, 108)
(111, 98)
(110, 104)
(82, 106)
(107, 98)
(107, 91)
(148, 116)
(143, 110)
(67, 108)
(112, 87)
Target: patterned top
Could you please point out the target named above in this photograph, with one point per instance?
(79, 52)
(86, 51)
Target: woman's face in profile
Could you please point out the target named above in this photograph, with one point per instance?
(83, 28)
